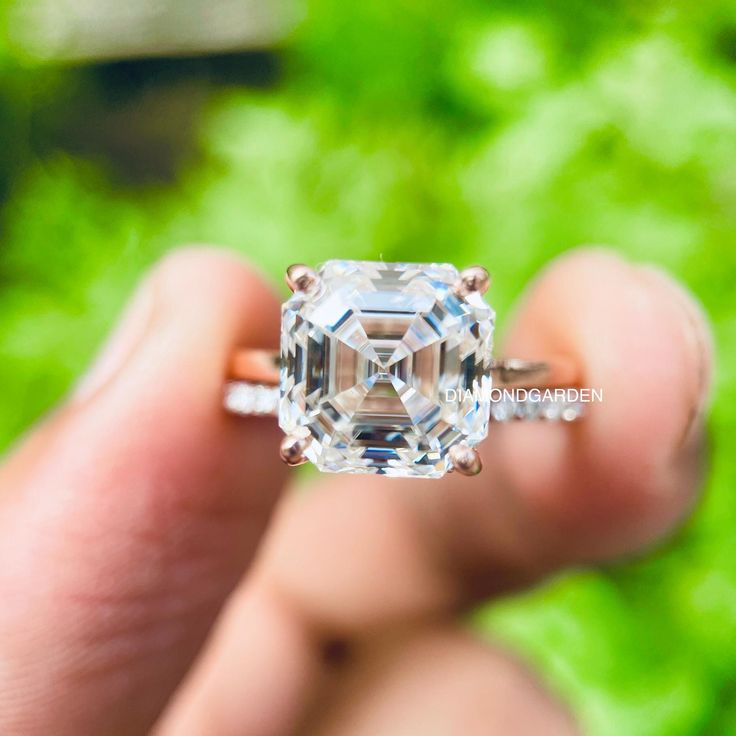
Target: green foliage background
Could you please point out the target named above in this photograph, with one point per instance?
(499, 133)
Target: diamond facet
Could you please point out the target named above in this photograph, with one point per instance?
(386, 367)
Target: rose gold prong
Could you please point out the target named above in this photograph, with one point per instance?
(301, 278)
(465, 460)
(475, 278)
(292, 449)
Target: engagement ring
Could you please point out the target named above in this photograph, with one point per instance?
(387, 368)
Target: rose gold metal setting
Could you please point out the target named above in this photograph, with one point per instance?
(519, 373)
(465, 460)
(302, 278)
(255, 366)
(475, 278)
(292, 449)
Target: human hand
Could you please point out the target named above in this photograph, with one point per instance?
(138, 591)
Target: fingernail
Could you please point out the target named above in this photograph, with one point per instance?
(699, 341)
(121, 344)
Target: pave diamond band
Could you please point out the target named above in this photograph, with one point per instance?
(387, 368)
(251, 399)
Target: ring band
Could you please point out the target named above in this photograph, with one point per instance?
(367, 349)
(264, 367)
(252, 387)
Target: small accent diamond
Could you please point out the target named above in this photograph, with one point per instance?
(247, 398)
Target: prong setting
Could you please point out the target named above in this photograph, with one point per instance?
(465, 460)
(473, 280)
(301, 278)
(293, 448)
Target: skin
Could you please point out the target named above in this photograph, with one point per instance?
(156, 575)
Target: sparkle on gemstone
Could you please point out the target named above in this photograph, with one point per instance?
(367, 360)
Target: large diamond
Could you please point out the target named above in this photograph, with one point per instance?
(386, 368)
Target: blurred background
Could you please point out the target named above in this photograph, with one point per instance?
(499, 133)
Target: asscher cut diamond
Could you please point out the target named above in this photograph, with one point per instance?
(367, 360)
